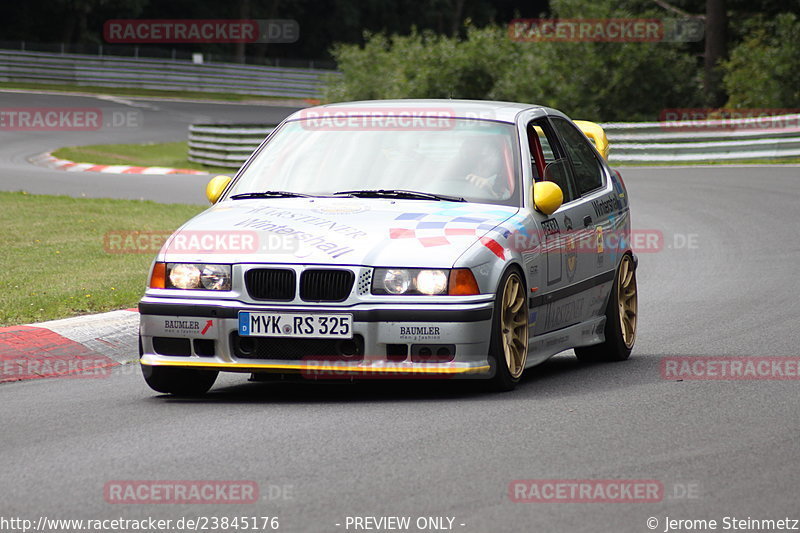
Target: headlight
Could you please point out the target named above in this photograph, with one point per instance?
(432, 281)
(216, 277)
(198, 276)
(396, 281)
(409, 281)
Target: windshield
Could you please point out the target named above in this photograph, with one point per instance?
(471, 159)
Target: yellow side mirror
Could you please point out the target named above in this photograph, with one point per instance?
(547, 197)
(215, 187)
(596, 134)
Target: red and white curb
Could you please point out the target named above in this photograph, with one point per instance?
(82, 346)
(50, 161)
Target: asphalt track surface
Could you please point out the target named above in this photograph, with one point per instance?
(447, 449)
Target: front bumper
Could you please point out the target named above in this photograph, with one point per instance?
(208, 331)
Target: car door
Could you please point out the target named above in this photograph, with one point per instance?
(595, 211)
(558, 300)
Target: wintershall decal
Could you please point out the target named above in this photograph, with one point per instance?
(604, 207)
(311, 220)
(306, 240)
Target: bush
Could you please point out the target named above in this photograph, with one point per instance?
(764, 69)
(595, 81)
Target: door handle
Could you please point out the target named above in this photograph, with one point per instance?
(587, 221)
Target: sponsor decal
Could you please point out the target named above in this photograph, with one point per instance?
(341, 209)
(303, 219)
(550, 227)
(308, 241)
(442, 227)
(563, 314)
(419, 330)
(419, 333)
(570, 249)
(550, 232)
(184, 326)
(603, 207)
(598, 231)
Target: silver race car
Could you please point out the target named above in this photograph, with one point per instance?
(404, 239)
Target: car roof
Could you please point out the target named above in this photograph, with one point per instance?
(481, 109)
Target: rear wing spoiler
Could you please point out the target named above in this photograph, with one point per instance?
(596, 134)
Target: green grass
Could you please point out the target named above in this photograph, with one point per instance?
(54, 263)
(785, 161)
(142, 155)
(132, 91)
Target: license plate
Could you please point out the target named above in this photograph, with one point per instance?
(306, 325)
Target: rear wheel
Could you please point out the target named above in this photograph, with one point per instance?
(621, 318)
(509, 342)
(179, 381)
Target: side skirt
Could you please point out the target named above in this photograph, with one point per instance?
(543, 347)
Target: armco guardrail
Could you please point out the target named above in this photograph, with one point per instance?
(228, 145)
(772, 137)
(170, 75)
(225, 145)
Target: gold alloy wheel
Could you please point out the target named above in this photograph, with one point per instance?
(514, 324)
(627, 301)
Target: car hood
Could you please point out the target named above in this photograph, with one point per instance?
(351, 231)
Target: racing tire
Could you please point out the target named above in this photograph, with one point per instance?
(621, 318)
(508, 346)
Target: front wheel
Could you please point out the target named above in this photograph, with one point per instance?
(508, 348)
(621, 318)
(179, 381)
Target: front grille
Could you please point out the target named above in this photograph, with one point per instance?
(326, 285)
(297, 349)
(275, 284)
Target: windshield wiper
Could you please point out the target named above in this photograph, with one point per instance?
(400, 193)
(270, 194)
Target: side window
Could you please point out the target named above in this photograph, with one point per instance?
(549, 162)
(588, 172)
